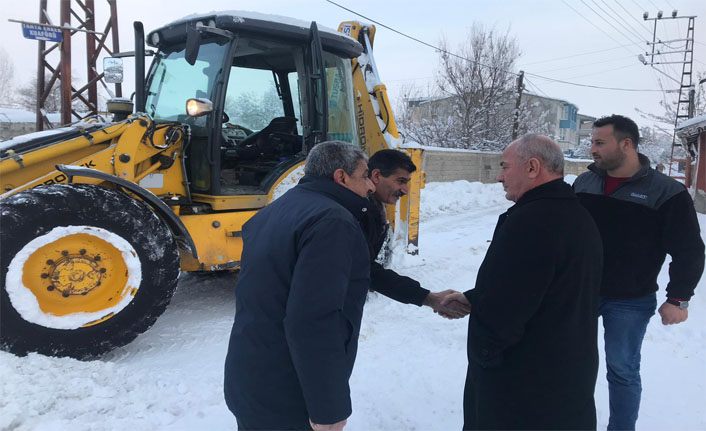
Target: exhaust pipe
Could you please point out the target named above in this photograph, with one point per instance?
(139, 66)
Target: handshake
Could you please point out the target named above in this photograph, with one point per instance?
(449, 304)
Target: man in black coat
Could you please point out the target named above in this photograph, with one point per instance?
(532, 347)
(391, 171)
(299, 299)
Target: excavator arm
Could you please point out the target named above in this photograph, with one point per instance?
(377, 130)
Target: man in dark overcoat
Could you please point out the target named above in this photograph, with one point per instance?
(299, 299)
(532, 347)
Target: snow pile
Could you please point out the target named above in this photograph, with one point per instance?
(25, 301)
(16, 115)
(458, 196)
(288, 182)
(411, 363)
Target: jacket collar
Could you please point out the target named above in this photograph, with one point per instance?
(355, 204)
(555, 189)
(644, 168)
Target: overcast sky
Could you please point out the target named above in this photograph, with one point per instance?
(559, 30)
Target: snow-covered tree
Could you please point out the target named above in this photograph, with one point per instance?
(655, 144)
(27, 95)
(7, 74)
(253, 111)
(472, 104)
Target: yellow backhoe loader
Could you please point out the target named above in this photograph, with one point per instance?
(97, 219)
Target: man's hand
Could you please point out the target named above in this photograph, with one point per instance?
(338, 426)
(671, 314)
(441, 303)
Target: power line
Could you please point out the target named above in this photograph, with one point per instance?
(484, 65)
(418, 40)
(671, 67)
(583, 64)
(576, 55)
(639, 6)
(593, 86)
(613, 16)
(641, 23)
(610, 24)
(632, 64)
(665, 96)
(653, 4)
(593, 24)
(536, 87)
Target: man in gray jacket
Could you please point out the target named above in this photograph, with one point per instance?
(642, 215)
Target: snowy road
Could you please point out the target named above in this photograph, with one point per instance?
(410, 368)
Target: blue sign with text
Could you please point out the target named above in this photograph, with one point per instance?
(41, 32)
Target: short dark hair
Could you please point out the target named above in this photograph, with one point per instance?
(388, 161)
(623, 127)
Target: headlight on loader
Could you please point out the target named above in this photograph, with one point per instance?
(198, 107)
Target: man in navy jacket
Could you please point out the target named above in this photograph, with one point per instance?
(299, 299)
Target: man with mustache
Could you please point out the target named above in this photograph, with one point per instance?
(642, 215)
(390, 171)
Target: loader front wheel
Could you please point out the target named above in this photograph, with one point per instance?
(85, 269)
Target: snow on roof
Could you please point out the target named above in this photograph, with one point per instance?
(259, 16)
(693, 123)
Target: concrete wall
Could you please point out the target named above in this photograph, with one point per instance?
(10, 130)
(445, 165)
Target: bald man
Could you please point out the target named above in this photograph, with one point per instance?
(532, 347)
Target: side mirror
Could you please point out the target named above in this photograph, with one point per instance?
(113, 70)
(198, 107)
(193, 43)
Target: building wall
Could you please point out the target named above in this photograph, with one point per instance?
(10, 130)
(484, 167)
(700, 189)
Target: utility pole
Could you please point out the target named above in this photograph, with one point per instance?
(96, 44)
(520, 89)
(661, 49)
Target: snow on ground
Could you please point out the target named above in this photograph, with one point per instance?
(411, 364)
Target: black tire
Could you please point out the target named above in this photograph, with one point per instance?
(39, 213)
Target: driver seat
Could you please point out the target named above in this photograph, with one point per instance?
(262, 144)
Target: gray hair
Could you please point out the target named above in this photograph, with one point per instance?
(326, 157)
(534, 145)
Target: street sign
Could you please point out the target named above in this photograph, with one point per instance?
(41, 32)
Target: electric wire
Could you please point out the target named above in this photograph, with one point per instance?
(593, 24)
(576, 55)
(536, 87)
(632, 64)
(653, 4)
(641, 24)
(671, 67)
(610, 24)
(438, 49)
(622, 58)
(628, 27)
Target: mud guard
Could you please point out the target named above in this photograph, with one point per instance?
(174, 223)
